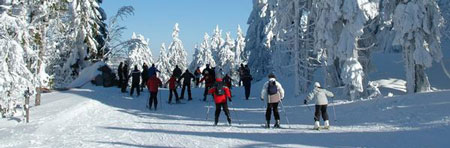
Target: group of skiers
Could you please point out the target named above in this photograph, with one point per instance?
(219, 85)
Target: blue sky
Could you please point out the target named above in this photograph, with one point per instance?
(155, 19)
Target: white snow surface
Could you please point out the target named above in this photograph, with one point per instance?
(86, 75)
(104, 117)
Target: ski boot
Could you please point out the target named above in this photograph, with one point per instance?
(267, 124)
(277, 124)
(316, 125)
(229, 121)
(326, 124)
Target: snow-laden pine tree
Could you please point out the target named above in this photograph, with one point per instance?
(226, 59)
(417, 25)
(177, 54)
(240, 56)
(258, 35)
(18, 60)
(197, 60)
(216, 43)
(208, 57)
(139, 52)
(163, 64)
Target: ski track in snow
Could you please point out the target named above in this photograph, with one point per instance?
(104, 117)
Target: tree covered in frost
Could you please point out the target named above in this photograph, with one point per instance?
(258, 35)
(240, 56)
(216, 43)
(226, 59)
(177, 54)
(417, 26)
(18, 59)
(139, 52)
(197, 58)
(163, 64)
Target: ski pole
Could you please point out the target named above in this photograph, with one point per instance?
(207, 112)
(234, 110)
(287, 120)
(334, 109)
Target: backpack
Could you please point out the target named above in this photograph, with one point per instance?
(219, 89)
(272, 88)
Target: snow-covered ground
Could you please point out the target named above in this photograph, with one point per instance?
(104, 117)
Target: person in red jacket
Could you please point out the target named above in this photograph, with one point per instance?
(209, 82)
(153, 84)
(221, 94)
(173, 89)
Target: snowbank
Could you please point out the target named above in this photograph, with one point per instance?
(86, 75)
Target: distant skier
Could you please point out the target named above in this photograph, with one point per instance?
(320, 95)
(221, 94)
(207, 69)
(144, 75)
(187, 78)
(126, 76)
(153, 84)
(241, 74)
(120, 74)
(173, 89)
(177, 72)
(209, 82)
(274, 92)
(247, 81)
(228, 81)
(152, 70)
(136, 75)
(197, 75)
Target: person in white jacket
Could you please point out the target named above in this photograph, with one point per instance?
(274, 93)
(320, 95)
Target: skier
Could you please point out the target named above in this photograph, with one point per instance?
(207, 69)
(221, 94)
(152, 70)
(241, 74)
(177, 72)
(173, 89)
(126, 76)
(274, 92)
(120, 74)
(187, 78)
(144, 75)
(320, 95)
(197, 74)
(135, 74)
(247, 81)
(152, 85)
(209, 81)
(227, 80)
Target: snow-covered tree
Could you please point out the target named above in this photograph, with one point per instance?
(197, 58)
(19, 60)
(216, 43)
(226, 59)
(417, 25)
(139, 52)
(177, 54)
(163, 64)
(240, 56)
(258, 37)
(208, 57)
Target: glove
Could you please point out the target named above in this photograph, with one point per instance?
(230, 99)
(305, 102)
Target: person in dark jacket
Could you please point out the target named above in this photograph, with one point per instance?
(221, 100)
(144, 75)
(152, 70)
(197, 75)
(187, 78)
(120, 74)
(136, 79)
(247, 81)
(209, 82)
(177, 72)
(207, 69)
(241, 74)
(126, 76)
(153, 84)
(173, 89)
